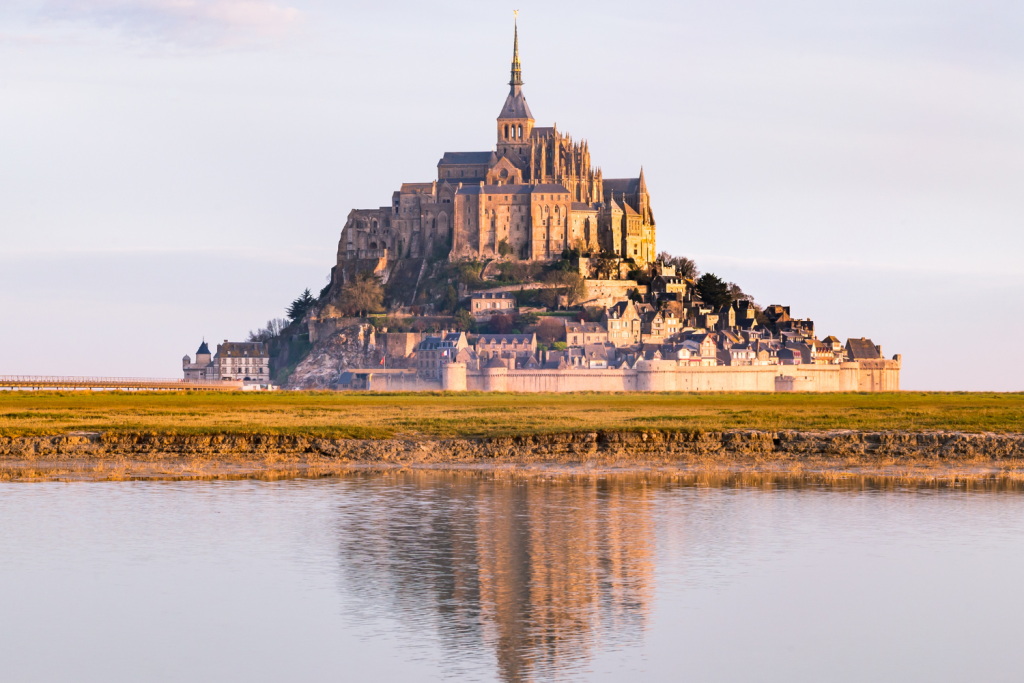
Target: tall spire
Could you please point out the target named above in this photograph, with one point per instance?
(517, 70)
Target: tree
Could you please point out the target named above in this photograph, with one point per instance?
(684, 267)
(713, 290)
(607, 267)
(737, 294)
(501, 324)
(550, 329)
(450, 299)
(361, 295)
(526, 320)
(575, 287)
(464, 321)
(298, 308)
(503, 248)
(272, 330)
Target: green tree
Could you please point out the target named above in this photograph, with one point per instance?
(713, 290)
(361, 295)
(684, 267)
(464, 321)
(503, 248)
(450, 299)
(297, 309)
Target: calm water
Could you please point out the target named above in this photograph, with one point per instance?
(431, 576)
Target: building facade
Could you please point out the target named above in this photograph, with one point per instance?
(534, 195)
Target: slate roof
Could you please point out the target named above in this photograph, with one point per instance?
(459, 158)
(203, 348)
(507, 189)
(515, 106)
(542, 131)
(550, 187)
(576, 327)
(507, 338)
(495, 362)
(862, 349)
(620, 185)
(492, 295)
(583, 206)
(239, 349)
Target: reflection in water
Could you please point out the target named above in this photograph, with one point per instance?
(536, 573)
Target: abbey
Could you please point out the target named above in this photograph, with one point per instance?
(533, 196)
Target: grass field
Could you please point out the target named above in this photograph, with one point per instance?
(383, 415)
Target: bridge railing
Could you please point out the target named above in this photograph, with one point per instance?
(94, 381)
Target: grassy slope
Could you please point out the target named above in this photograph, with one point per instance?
(368, 415)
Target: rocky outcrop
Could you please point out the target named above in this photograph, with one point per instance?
(573, 447)
(350, 347)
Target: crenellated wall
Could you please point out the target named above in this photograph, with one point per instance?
(880, 375)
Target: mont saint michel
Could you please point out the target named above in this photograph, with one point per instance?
(534, 195)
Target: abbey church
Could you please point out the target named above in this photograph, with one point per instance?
(532, 197)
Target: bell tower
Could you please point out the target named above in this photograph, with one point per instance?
(515, 122)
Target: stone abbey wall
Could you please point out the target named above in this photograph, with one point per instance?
(882, 375)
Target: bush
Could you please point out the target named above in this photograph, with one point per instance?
(559, 346)
(503, 248)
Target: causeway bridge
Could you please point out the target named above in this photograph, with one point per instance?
(38, 382)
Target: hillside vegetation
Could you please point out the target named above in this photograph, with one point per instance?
(332, 414)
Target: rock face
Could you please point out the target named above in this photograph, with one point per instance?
(354, 346)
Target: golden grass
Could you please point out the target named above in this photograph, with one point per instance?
(351, 415)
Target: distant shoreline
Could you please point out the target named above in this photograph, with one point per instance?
(95, 456)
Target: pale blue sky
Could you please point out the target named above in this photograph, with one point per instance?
(171, 169)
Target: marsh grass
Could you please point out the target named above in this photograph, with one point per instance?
(344, 415)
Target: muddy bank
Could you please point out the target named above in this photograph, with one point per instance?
(891, 453)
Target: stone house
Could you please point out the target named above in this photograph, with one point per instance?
(435, 351)
(659, 325)
(519, 346)
(580, 334)
(623, 323)
(246, 361)
(202, 369)
(666, 284)
(486, 304)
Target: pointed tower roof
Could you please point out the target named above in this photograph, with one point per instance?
(515, 106)
(203, 348)
(643, 183)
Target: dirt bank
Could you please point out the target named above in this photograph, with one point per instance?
(125, 456)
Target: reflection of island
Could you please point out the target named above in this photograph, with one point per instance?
(536, 572)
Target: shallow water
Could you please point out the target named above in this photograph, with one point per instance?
(432, 576)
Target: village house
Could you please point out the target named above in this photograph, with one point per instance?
(659, 325)
(520, 346)
(623, 323)
(580, 333)
(433, 352)
(486, 304)
(248, 362)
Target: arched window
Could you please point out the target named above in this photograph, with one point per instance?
(506, 131)
(520, 132)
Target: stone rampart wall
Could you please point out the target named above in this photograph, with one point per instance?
(669, 376)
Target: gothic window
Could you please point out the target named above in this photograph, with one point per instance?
(506, 131)
(520, 132)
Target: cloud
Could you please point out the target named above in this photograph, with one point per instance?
(188, 22)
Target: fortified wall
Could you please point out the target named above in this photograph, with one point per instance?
(656, 375)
